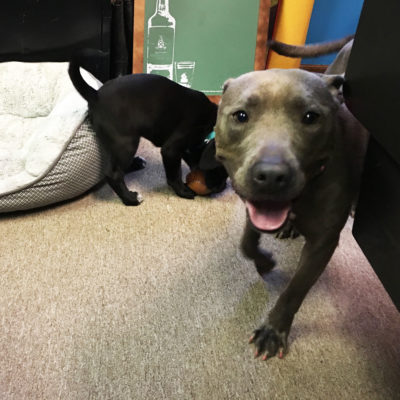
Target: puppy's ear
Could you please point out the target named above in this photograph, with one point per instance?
(207, 159)
(335, 85)
(226, 84)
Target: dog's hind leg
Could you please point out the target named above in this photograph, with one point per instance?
(121, 153)
(250, 248)
(115, 178)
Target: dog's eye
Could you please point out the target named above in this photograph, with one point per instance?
(310, 117)
(241, 116)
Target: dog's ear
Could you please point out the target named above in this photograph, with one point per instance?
(335, 85)
(207, 159)
(226, 84)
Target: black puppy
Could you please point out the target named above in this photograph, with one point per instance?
(127, 108)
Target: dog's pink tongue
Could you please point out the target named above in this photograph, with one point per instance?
(268, 215)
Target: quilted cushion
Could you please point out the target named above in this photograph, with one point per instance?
(48, 151)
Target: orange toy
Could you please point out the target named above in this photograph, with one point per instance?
(196, 181)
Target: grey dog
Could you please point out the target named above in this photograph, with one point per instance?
(294, 154)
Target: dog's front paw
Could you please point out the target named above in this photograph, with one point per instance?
(288, 231)
(268, 342)
(133, 199)
(264, 262)
(182, 190)
(186, 193)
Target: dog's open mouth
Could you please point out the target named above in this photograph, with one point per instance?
(268, 216)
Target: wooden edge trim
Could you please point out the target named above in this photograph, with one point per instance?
(314, 68)
(260, 60)
(138, 36)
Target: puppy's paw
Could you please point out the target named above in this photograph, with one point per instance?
(186, 193)
(137, 164)
(183, 191)
(133, 199)
(268, 342)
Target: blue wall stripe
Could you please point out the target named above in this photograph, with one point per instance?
(332, 19)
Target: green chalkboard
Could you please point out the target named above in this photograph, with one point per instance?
(200, 43)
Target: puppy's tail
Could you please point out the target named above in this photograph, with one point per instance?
(309, 50)
(78, 60)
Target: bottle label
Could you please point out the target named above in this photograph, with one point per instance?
(160, 49)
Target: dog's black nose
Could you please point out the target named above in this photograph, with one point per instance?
(271, 176)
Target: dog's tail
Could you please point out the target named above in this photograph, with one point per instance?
(78, 60)
(308, 50)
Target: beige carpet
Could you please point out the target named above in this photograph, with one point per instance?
(103, 301)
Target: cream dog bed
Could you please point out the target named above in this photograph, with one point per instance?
(48, 152)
